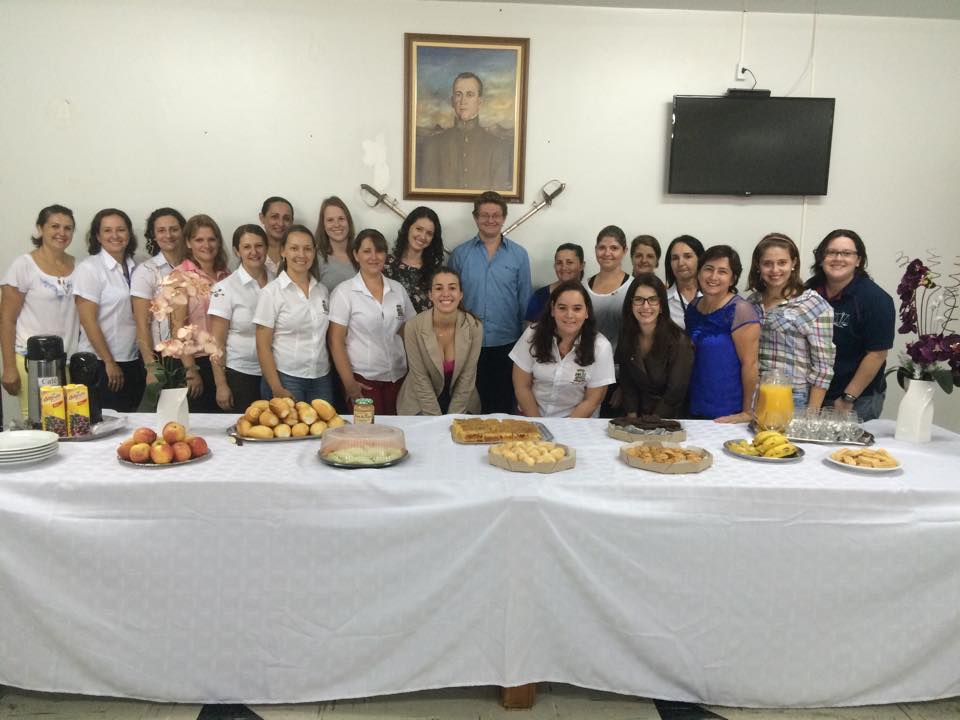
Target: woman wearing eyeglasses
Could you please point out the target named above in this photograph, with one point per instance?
(863, 323)
(654, 354)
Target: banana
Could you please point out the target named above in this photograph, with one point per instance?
(761, 437)
(781, 451)
(745, 448)
(770, 442)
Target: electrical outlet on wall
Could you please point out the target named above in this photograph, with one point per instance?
(741, 72)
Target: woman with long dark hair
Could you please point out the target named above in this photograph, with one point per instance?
(417, 253)
(563, 364)
(796, 335)
(864, 321)
(443, 346)
(655, 356)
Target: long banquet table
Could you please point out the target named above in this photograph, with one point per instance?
(262, 575)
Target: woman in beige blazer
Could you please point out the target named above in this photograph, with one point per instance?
(443, 345)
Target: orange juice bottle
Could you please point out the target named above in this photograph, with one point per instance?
(774, 406)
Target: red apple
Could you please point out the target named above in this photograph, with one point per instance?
(181, 451)
(174, 432)
(124, 450)
(144, 435)
(198, 446)
(139, 452)
(161, 454)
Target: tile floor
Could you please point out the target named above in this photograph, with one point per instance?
(554, 701)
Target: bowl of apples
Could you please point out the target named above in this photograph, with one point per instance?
(172, 447)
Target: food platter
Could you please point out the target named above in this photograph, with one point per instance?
(154, 466)
(353, 466)
(796, 457)
(544, 431)
(866, 438)
(108, 426)
(240, 439)
(861, 469)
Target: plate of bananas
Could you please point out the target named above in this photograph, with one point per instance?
(768, 446)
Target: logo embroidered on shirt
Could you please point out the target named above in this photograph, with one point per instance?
(841, 319)
(400, 311)
(580, 376)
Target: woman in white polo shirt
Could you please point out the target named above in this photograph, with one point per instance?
(164, 233)
(102, 294)
(38, 297)
(563, 364)
(367, 315)
(292, 317)
(232, 304)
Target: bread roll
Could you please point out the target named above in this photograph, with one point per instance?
(292, 418)
(259, 431)
(282, 431)
(300, 430)
(253, 414)
(279, 408)
(262, 404)
(318, 427)
(324, 409)
(308, 415)
(301, 406)
(269, 419)
(336, 421)
(243, 425)
(291, 403)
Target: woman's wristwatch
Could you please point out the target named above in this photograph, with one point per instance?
(847, 397)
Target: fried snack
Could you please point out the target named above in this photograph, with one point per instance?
(530, 452)
(865, 457)
(663, 455)
(489, 430)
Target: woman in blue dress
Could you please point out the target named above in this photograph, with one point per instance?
(725, 330)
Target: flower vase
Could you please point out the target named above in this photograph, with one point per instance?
(915, 414)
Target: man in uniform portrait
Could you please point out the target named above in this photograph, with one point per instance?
(466, 156)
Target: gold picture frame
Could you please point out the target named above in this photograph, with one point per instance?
(465, 111)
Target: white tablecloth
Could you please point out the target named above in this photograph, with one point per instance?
(262, 575)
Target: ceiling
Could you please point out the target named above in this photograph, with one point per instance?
(943, 9)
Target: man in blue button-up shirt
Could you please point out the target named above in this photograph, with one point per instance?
(495, 273)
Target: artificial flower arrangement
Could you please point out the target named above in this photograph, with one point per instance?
(177, 290)
(921, 297)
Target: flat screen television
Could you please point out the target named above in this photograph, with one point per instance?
(750, 145)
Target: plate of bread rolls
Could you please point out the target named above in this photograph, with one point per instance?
(283, 419)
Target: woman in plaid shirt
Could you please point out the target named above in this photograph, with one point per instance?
(797, 325)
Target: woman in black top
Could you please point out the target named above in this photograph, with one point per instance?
(654, 354)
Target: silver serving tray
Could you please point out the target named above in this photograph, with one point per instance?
(108, 426)
(796, 457)
(154, 466)
(865, 439)
(240, 440)
(351, 466)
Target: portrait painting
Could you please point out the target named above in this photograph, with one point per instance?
(464, 116)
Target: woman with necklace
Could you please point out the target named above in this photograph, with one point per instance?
(417, 253)
(276, 216)
(367, 315)
(796, 336)
(725, 330)
(563, 365)
(206, 261)
(443, 346)
(38, 297)
(107, 326)
(609, 286)
(334, 238)
(164, 235)
(680, 268)
(232, 305)
(864, 322)
(292, 319)
(655, 356)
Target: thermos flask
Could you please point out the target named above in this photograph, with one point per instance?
(46, 365)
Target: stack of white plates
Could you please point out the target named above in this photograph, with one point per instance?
(21, 447)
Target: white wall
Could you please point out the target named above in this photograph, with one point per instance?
(212, 106)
